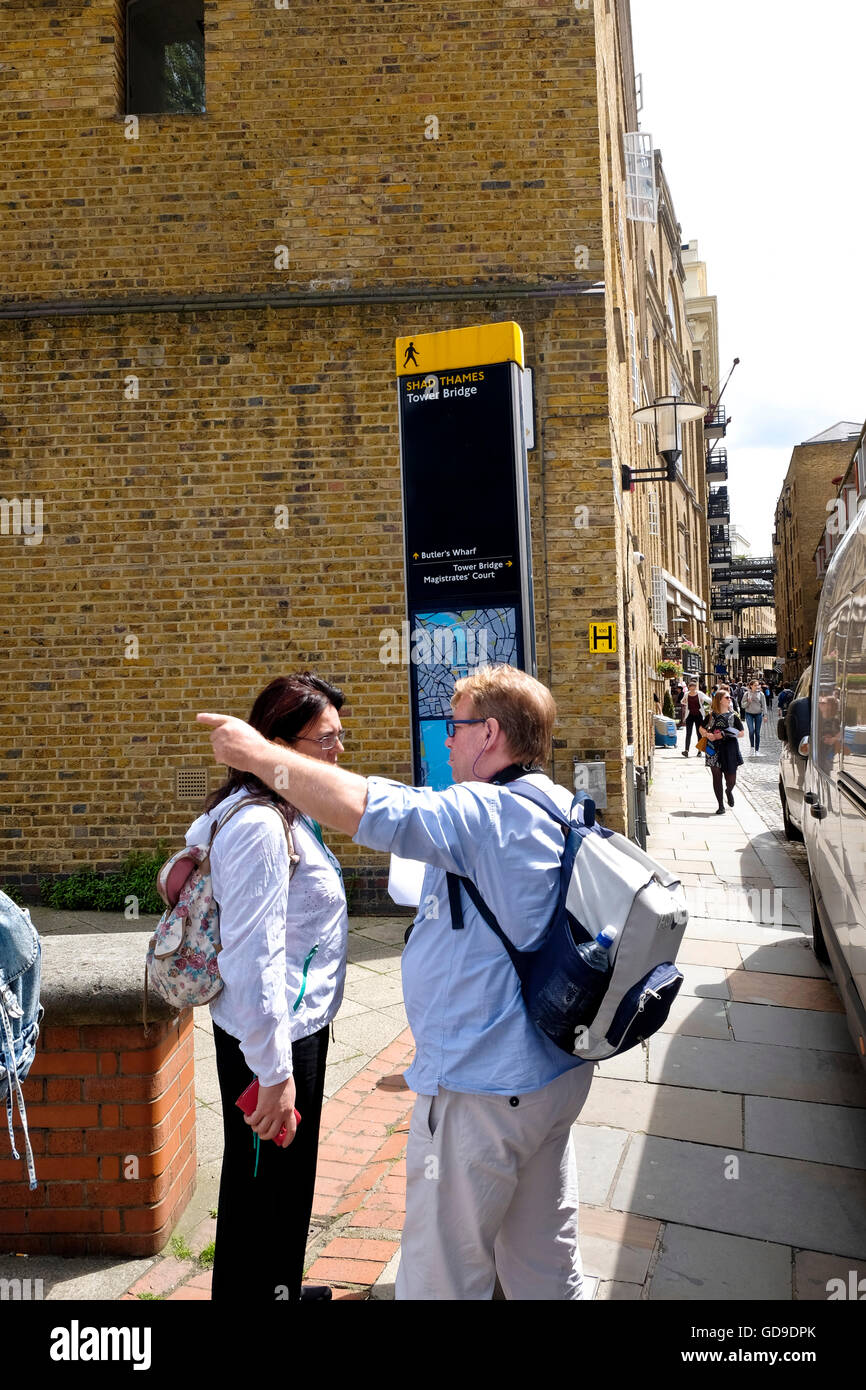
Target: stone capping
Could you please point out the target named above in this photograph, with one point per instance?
(97, 979)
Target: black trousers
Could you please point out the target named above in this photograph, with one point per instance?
(263, 1221)
(693, 721)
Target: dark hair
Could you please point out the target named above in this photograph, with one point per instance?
(282, 710)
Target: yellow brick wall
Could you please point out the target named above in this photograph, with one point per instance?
(314, 138)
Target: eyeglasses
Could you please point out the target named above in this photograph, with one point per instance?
(451, 725)
(327, 741)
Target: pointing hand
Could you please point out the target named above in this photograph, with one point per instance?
(234, 743)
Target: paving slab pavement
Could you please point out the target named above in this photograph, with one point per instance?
(698, 1265)
(814, 1206)
(789, 1090)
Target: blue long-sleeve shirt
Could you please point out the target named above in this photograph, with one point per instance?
(462, 994)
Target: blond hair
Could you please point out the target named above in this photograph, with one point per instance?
(525, 708)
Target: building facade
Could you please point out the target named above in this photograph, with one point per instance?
(214, 231)
(805, 502)
(850, 499)
(675, 524)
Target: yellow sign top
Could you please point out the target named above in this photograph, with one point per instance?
(482, 345)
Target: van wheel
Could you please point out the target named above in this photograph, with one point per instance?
(818, 944)
(791, 831)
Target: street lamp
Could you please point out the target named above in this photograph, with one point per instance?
(667, 415)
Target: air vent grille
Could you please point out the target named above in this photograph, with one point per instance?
(191, 784)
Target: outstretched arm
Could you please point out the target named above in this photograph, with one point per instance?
(329, 794)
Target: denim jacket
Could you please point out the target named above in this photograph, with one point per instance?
(20, 1012)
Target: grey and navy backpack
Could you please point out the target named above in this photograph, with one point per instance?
(20, 1012)
(605, 881)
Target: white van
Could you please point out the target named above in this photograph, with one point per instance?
(834, 814)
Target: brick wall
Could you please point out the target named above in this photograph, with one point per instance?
(111, 1115)
(314, 137)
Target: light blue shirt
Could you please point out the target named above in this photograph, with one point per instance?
(462, 995)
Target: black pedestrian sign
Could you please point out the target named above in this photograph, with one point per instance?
(465, 519)
(602, 637)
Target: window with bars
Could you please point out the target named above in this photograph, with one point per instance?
(641, 194)
(659, 602)
(653, 509)
(635, 364)
(672, 313)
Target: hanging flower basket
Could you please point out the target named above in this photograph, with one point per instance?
(688, 646)
(669, 668)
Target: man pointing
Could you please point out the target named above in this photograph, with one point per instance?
(491, 1179)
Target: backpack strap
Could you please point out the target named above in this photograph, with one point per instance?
(294, 857)
(454, 885)
(532, 793)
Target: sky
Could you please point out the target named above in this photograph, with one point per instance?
(758, 109)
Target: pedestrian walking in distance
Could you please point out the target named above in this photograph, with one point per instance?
(723, 731)
(754, 709)
(692, 711)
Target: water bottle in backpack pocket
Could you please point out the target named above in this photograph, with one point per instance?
(566, 989)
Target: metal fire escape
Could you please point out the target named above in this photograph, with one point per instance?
(735, 583)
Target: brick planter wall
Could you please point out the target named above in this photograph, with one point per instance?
(111, 1113)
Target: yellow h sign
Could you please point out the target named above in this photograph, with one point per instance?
(602, 637)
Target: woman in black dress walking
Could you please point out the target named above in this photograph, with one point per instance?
(723, 730)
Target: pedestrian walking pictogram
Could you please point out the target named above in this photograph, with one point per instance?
(602, 637)
(410, 356)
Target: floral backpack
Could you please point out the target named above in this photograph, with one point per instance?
(182, 953)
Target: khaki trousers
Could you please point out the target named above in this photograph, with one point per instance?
(491, 1188)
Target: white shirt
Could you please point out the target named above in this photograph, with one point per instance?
(283, 957)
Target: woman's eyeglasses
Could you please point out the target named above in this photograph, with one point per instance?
(327, 741)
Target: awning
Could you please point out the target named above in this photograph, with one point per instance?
(684, 598)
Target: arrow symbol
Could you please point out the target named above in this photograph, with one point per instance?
(508, 564)
(415, 556)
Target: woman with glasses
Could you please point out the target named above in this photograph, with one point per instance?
(723, 730)
(283, 966)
